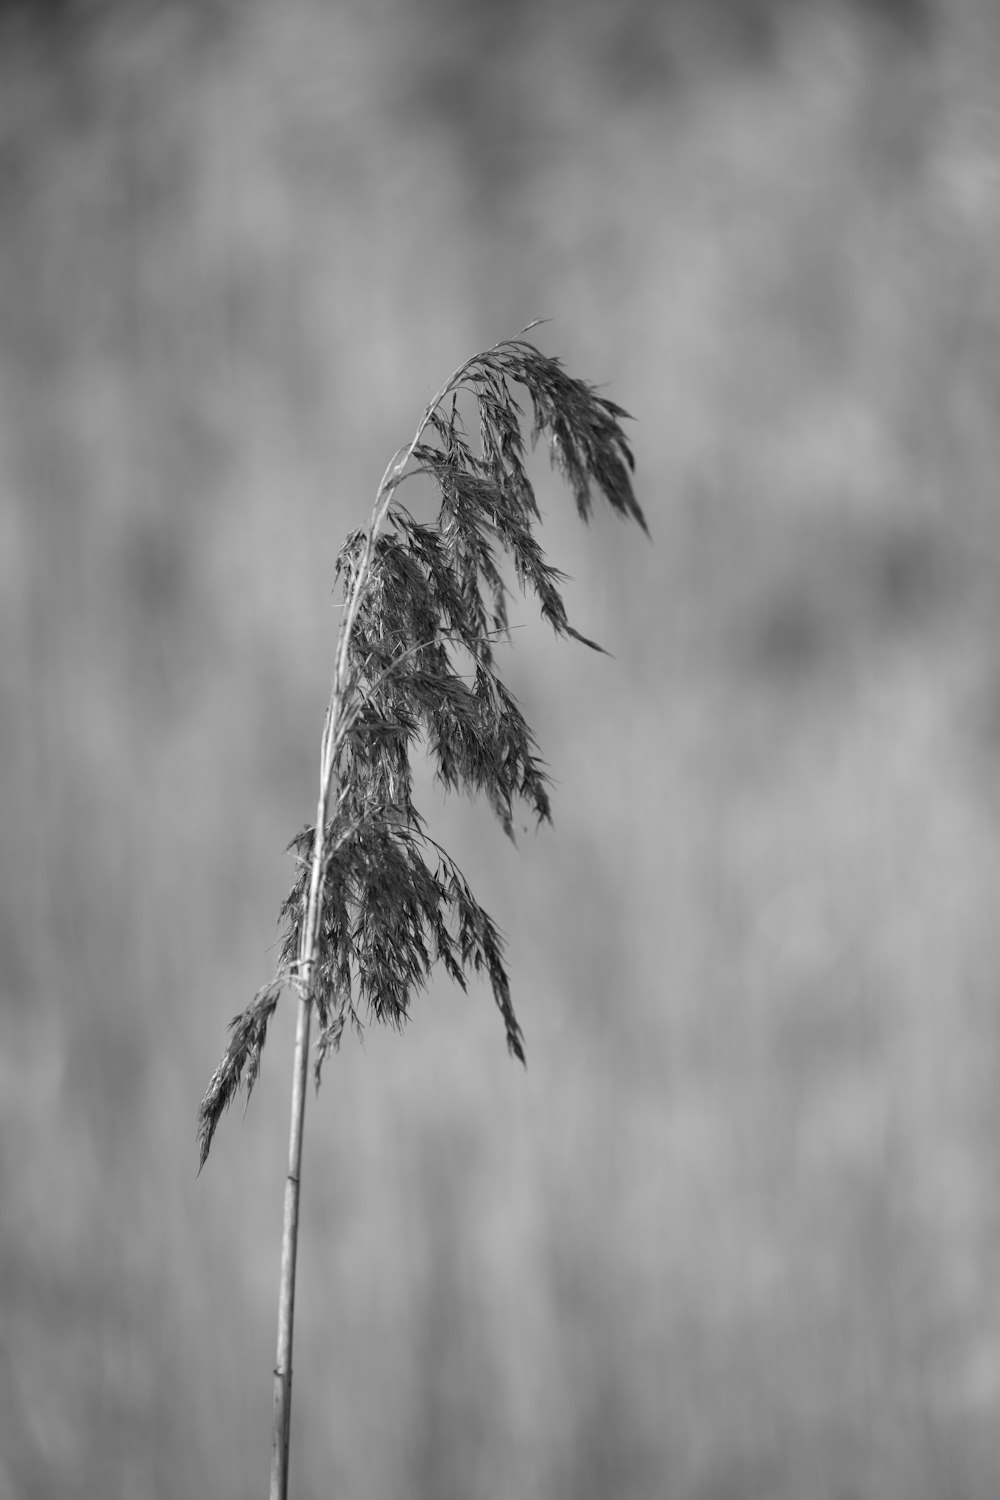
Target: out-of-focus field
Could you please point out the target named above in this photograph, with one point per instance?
(735, 1234)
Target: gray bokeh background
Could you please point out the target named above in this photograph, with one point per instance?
(735, 1232)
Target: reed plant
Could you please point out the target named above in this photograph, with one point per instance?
(376, 902)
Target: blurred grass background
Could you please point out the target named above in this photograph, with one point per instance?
(736, 1232)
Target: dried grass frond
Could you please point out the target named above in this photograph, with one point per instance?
(375, 904)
